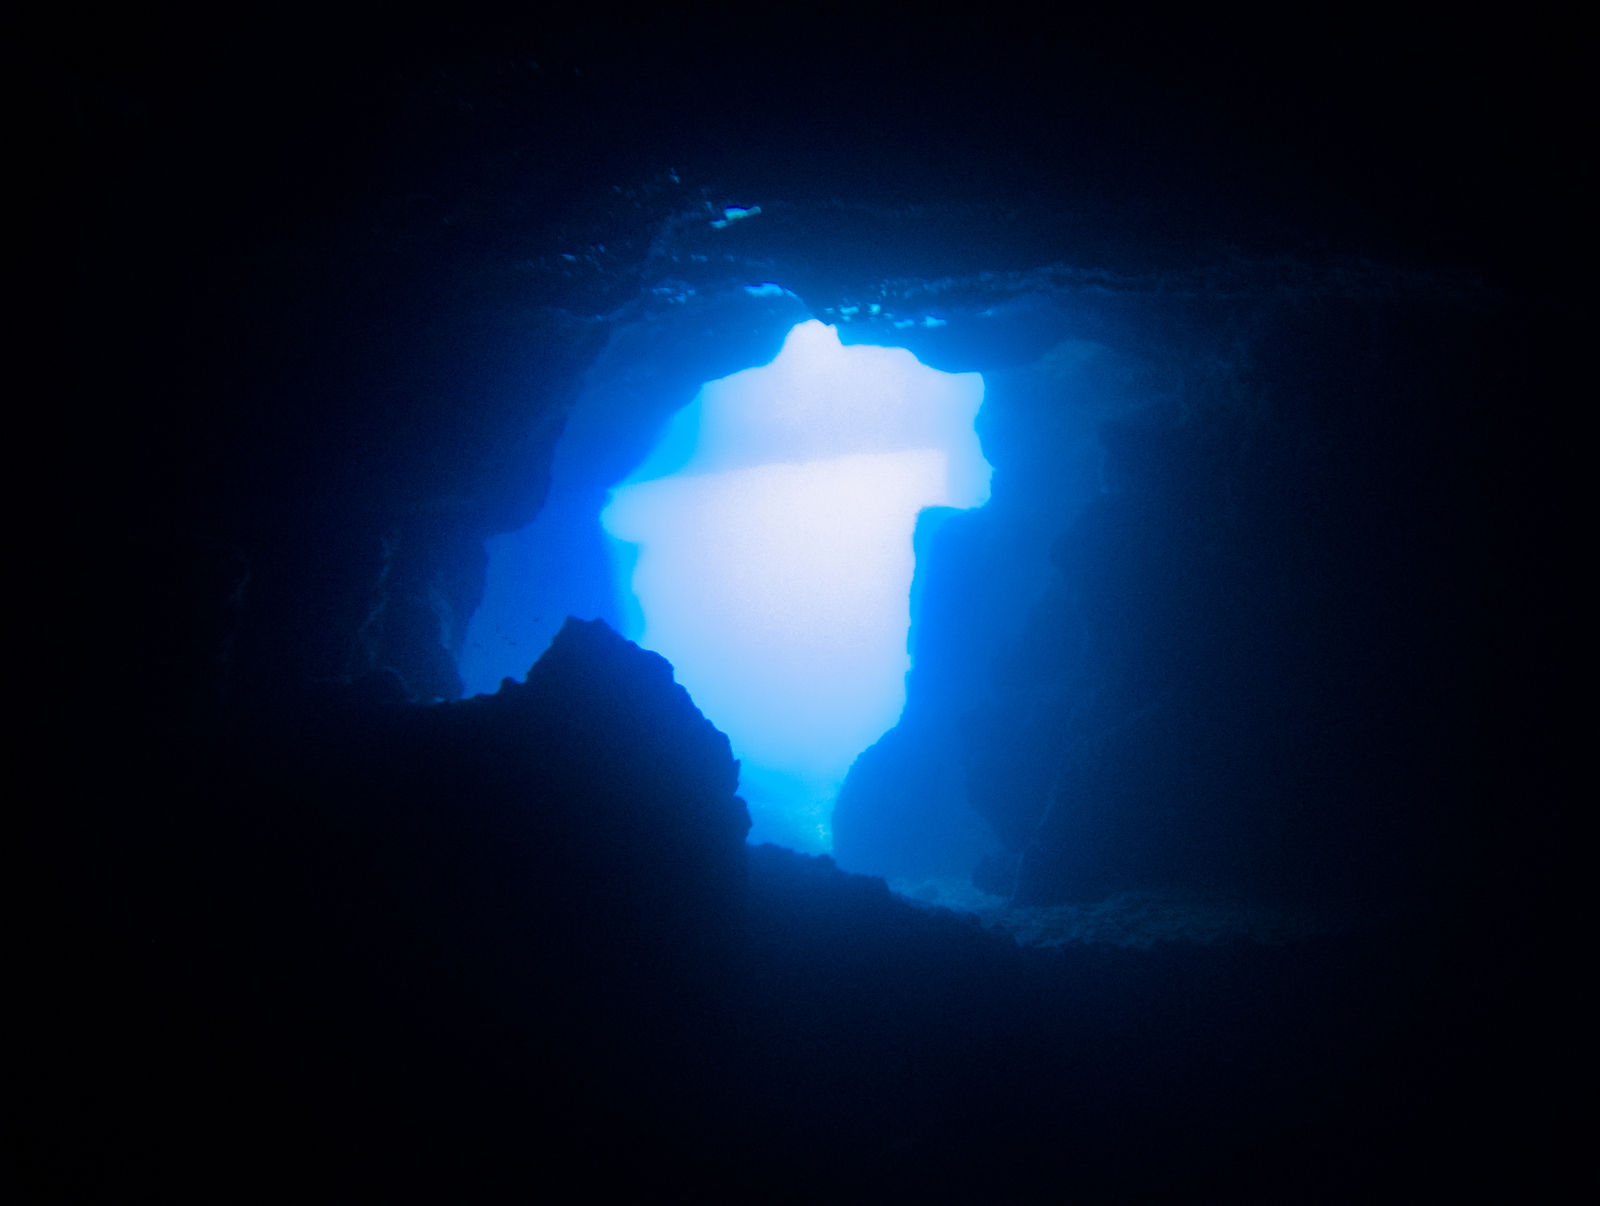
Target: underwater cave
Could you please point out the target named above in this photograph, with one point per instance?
(1070, 689)
(763, 546)
(807, 630)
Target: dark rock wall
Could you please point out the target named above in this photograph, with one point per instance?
(1256, 653)
(377, 925)
(1239, 612)
(905, 809)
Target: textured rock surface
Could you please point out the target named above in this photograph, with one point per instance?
(340, 921)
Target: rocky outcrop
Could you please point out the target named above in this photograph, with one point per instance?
(341, 918)
(1208, 697)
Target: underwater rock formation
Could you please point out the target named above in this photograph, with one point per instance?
(369, 907)
(1170, 654)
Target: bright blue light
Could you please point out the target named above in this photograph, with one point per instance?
(762, 545)
(773, 525)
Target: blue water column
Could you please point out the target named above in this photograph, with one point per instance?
(764, 547)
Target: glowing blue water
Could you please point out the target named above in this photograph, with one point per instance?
(772, 560)
(762, 545)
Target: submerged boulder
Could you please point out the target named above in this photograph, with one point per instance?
(629, 788)
(341, 918)
(586, 815)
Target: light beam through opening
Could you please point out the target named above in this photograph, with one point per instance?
(764, 548)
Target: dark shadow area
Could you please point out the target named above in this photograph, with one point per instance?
(427, 945)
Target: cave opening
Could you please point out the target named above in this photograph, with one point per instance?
(765, 549)
(763, 544)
